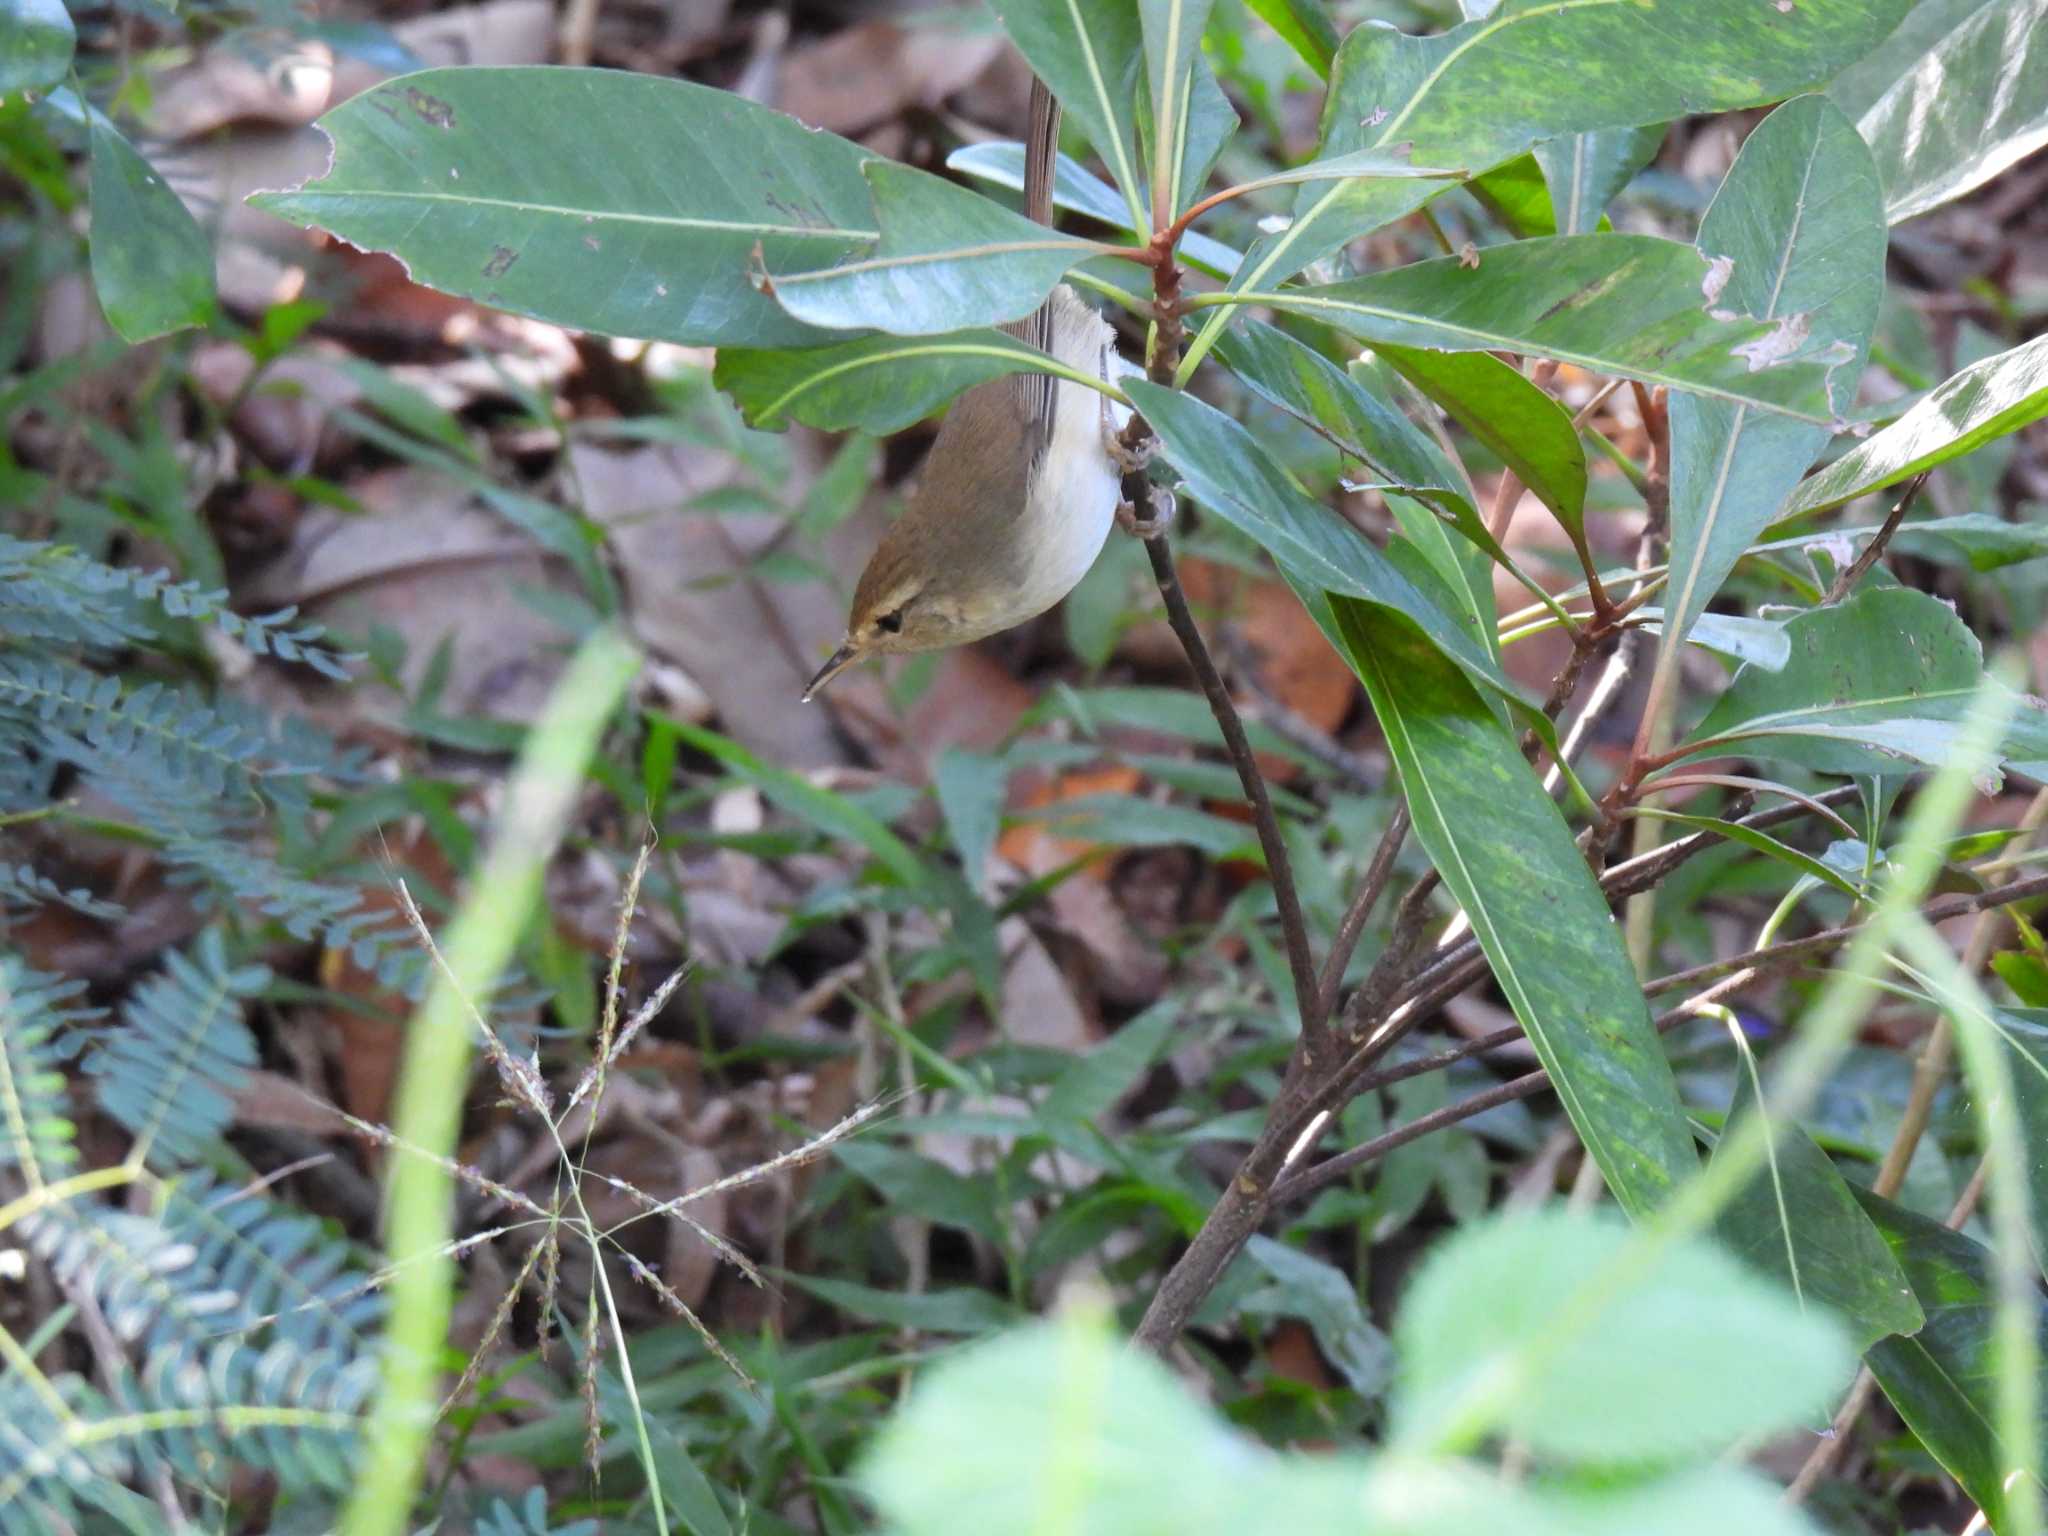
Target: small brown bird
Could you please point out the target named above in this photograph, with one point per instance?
(1020, 487)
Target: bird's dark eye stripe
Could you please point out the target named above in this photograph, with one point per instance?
(890, 623)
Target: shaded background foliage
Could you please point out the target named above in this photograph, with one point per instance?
(297, 545)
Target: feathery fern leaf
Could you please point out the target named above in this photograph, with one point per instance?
(169, 1072)
(35, 1128)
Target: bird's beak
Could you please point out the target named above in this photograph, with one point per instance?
(837, 663)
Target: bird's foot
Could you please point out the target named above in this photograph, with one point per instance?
(1128, 460)
(1154, 521)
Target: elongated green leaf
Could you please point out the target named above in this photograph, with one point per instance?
(1528, 429)
(1876, 684)
(649, 228)
(1962, 106)
(1943, 1380)
(1172, 31)
(1336, 404)
(1799, 1222)
(961, 1309)
(1767, 845)
(1981, 540)
(1800, 217)
(1518, 196)
(1984, 401)
(1324, 1297)
(947, 259)
(878, 384)
(1586, 172)
(1091, 57)
(1002, 162)
(2025, 1034)
(1507, 856)
(1731, 634)
(152, 265)
(1304, 25)
(1559, 298)
(36, 40)
(1392, 162)
(1234, 478)
(1748, 1358)
(1531, 70)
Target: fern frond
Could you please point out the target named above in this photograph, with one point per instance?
(35, 1127)
(50, 592)
(289, 1275)
(24, 886)
(170, 1071)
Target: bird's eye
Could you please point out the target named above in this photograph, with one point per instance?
(891, 623)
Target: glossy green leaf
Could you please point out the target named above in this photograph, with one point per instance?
(1880, 683)
(1587, 171)
(36, 40)
(1078, 192)
(876, 384)
(152, 265)
(1798, 1222)
(651, 228)
(1967, 97)
(1304, 25)
(1731, 634)
(1231, 475)
(1517, 194)
(1800, 218)
(1702, 1350)
(1559, 298)
(1529, 431)
(1481, 93)
(1092, 57)
(1392, 162)
(1765, 844)
(2024, 1032)
(1172, 32)
(1508, 858)
(948, 259)
(1943, 1380)
(1984, 401)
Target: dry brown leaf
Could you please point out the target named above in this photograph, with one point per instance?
(870, 72)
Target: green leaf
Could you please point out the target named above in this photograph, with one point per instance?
(917, 1186)
(1982, 540)
(960, 1310)
(1089, 1085)
(152, 265)
(1984, 401)
(1558, 298)
(1518, 196)
(970, 787)
(1172, 31)
(1944, 1379)
(1966, 97)
(1304, 25)
(820, 808)
(1587, 171)
(36, 41)
(877, 384)
(2024, 1032)
(1508, 858)
(1528, 429)
(1089, 55)
(1696, 1354)
(1767, 845)
(1798, 1222)
(1077, 191)
(947, 259)
(1799, 215)
(1322, 1296)
(1882, 679)
(598, 199)
(1481, 93)
(1234, 478)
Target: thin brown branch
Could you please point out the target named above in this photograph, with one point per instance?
(1377, 873)
(1845, 581)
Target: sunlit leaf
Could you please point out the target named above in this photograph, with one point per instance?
(1799, 216)
(1508, 858)
(1984, 401)
(652, 228)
